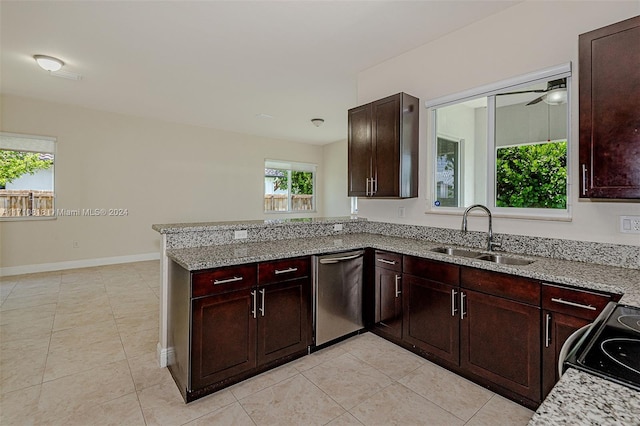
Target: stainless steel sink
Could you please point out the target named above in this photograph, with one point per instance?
(488, 257)
(505, 260)
(457, 252)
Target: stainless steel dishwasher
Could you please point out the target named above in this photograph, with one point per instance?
(338, 295)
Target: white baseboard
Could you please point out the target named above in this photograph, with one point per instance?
(165, 355)
(74, 264)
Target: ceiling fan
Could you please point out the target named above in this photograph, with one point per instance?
(554, 94)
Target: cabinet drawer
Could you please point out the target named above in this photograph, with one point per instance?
(387, 260)
(221, 280)
(435, 271)
(503, 285)
(283, 270)
(574, 302)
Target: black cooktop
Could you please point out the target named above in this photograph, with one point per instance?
(611, 346)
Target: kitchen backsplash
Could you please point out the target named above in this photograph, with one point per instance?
(190, 235)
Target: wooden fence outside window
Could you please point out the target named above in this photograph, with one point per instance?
(278, 202)
(25, 202)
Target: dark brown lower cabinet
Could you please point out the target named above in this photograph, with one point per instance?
(558, 327)
(389, 302)
(235, 332)
(388, 294)
(228, 324)
(283, 320)
(431, 323)
(500, 342)
(223, 337)
(564, 311)
(481, 324)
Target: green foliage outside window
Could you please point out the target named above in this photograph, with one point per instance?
(301, 183)
(14, 164)
(532, 176)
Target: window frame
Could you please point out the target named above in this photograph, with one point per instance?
(292, 166)
(48, 140)
(489, 92)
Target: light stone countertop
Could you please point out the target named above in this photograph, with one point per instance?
(176, 228)
(580, 398)
(578, 274)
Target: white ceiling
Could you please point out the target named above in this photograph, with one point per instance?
(220, 64)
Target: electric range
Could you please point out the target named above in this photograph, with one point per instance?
(610, 348)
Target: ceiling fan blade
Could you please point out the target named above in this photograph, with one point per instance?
(523, 91)
(536, 100)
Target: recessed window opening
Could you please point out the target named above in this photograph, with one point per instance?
(289, 187)
(27, 177)
(505, 146)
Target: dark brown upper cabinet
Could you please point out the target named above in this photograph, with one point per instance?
(383, 148)
(610, 111)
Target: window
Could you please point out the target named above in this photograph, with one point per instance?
(26, 176)
(289, 187)
(504, 146)
(447, 171)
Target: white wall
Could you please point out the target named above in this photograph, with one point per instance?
(526, 37)
(459, 122)
(335, 164)
(161, 172)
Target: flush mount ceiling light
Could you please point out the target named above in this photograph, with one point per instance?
(317, 121)
(48, 63)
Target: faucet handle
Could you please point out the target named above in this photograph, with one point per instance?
(496, 244)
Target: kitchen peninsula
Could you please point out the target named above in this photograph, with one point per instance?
(611, 269)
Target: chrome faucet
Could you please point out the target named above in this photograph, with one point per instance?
(490, 243)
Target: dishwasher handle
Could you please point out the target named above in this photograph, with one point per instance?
(330, 260)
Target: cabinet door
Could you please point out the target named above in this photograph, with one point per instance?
(385, 139)
(284, 323)
(360, 151)
(430, 320)
(609, 105)
(500, 341)
(389, 301)
(557, 328)
(223, 341)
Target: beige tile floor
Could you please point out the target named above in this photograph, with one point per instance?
(78, 348)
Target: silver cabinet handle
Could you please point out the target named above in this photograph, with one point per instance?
(262, 308)
(574, 304)
(547, 331)
(372, 187)
(285, 271)
(453, 302)
(330, 260)
(388, 262)
(584, 179)
(253, 305)
(230, 280)
(462, 311)
(398, 292)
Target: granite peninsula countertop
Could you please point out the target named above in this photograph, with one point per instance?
(578, 274)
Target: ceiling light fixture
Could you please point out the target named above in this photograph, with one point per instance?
(556, 96)
(556, 92)
(317, 121)
(48, 63)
